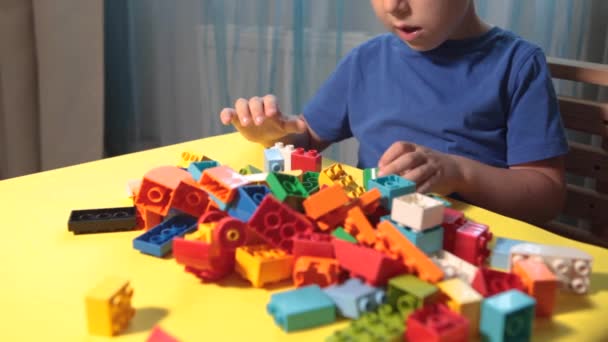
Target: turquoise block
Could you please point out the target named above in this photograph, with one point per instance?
(301, 308)
(430, 241)
(353, 297)
(507, 316)
(391, 186)
(500, 253)
(196, 168)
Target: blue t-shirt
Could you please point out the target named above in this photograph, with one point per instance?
(488, 98)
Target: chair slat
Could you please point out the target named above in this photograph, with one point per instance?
(576, 233)
(585, 116)
(579, 71)
(588, 161)
(586, 204)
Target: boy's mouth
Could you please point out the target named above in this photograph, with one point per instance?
(408, 33)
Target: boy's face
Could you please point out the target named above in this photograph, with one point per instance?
(425, 24)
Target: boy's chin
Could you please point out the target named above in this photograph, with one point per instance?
(421, 47)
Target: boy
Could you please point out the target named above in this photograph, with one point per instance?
(444, 100)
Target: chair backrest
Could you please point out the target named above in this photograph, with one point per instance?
(588, 204)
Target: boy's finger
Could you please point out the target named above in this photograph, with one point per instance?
(271, 107)
(242, 110)
(421, 174)
(256, 107)
(395, 151)
(226, 115)
(428, 185)
(294, 125)
(403, 163)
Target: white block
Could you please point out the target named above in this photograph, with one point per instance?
(454, 267)
(417, 211)
(286, 151)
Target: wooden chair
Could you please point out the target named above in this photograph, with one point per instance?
(585, 215)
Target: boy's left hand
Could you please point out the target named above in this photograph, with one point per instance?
(432, 171)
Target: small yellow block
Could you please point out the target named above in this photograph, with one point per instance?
(188, 157)
(462, 298)
(108, 307)
(263, 264)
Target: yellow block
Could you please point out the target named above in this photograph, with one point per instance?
(462, 298)
(188, 157)
(263, 264)
(108, 306)
(335, 174)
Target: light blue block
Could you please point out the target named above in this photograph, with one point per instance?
(273, 160)
(158, 241)
(196, 168)
(301, 308)
(429, 241)
(247, 201)
(220, 204)
(500, 253)
(391, 186)
(507, 316)
(353, 297)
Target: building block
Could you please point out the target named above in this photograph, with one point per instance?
(273, 160)
(472, 243)
(108, 307)
(287, 189)
(446, 203)
(247, 200)
(327, 201)
(539, 282)
(407, 293)
(335, 174)
(436, 323)
(571, 266)
(263, 264)
(157, 241)
(221, 182)
(313, 244)
(302, 308)
(507, 316)
(196, 168)
(489, 282)
(351, 188)
(286, 151)
(384, 324)
(249, 170)
(454, 267)
(391, 187)
(203, 260)
(357, 225)
(377, 268)
(102, 220)
(306, 160)
(353, 297)
(452, 220)
(430, 241)
(316, 270)
(369, 173)
(277, 223)
(499, 258)
(133, 188)
(417, 211)
(187, 158)
(157, 188)
(340, 233)
(461, 298)
(150, 219)
(189, 198)
(159, 335)
(310, 181)
(390, 240)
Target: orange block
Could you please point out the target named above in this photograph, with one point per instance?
(369, 201)
(357, 225)
(392, 241)
(157, 187)
(325, 201)
(539, 282)
(316, 270)
(222, 182)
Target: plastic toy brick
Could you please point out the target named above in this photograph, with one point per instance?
(429, 241)
(302, 308)
(489, 282)
(340, 233)
(369, 201)
(150, 219)
(472, 243)
(315, 270)
(391, 187)
(539, 282)
(407, 293)
(273, 160)
(384, 324)
(256, 178)
(499, 258)
(370, 173)
(277, 223)
(571, 266)
(417, 211)
(353, 297)
(247, 201)
(452, 220)
(222, 182)
(351, 188)
(369, 264)
(108, 307)
(310, 181)
(157, 241)
(287, 189)
(102, 220)
(357, 225)
(133, 187)
(159, 335)
(461, 298)
(157, 188)
(286, 151)
(313, 244)
(306, 160)
(507, 316)
(186, 158)
(263, 264)
(326, 201)
(443, 200)
(437, 323)
(392, 241)
(331, 174)
(189, 198)
(453, 266)
(196, 168)
(202, 259)
(249, 170)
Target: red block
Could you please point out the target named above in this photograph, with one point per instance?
(369, 264)
(471, 243)
(306, 160)
(159, 335)
(157, 188)
(314, 270)
(190, 199)
(434, 323)
(313, 244)
(489, 282)
(452, 220)
(202, 259)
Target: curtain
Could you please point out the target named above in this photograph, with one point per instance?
(51, 84)
(175, 65)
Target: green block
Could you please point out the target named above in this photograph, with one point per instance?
(310, 181)
(340, 233)
(249, 170)
(385, 324)
(369, 174)
(287, 189)
(407, 293)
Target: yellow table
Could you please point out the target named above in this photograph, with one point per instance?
(46, 271)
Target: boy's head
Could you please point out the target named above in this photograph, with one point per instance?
(425, 24)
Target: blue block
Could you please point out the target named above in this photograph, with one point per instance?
(500, 252)
(507, 316)
(301, 308)
(429, 241)
(273, 160)
(353, 297)
(196, 168)
(247, 201)
(158, 240)
(391, 186)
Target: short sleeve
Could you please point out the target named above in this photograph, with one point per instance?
(327, 112)
(534, 128)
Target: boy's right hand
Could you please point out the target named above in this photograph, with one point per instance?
(260, 120)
